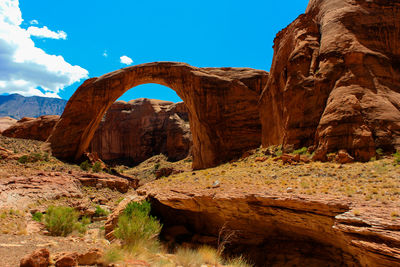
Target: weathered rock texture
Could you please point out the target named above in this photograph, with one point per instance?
(335, 79)
(142, 128)
(222, 105)
(6, 122)
(282, 230)
(33, 128)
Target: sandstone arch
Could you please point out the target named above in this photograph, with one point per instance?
(222, 104)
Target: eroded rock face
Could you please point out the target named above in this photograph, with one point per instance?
(335, 80)
(222, 105)
(282, 230)
(142, 128)
(33, 128)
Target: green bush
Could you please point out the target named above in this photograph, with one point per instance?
(37, 216)
(97, 167)
(85, 166)
(136, 226)
(61, 221)
(301, 151)
(379, 152)
(100, 211)
(24, 159)
(397, 157)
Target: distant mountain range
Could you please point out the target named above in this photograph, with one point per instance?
(17, 106)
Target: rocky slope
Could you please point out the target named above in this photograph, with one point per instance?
(18, 106)
(222, 103)
(32, 128)
(142, 128)
(334, 80)
(281, 229)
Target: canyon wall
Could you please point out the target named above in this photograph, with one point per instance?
(139, 129)
(335, 80)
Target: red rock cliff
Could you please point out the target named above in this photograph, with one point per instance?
(142, 128)
(335, 79)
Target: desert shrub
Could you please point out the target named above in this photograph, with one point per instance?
(34, 157)
(37, 216)
(188, 257)
(301, 151)
(97, 166)
(396, 157)
(100, 211)
(85, 166)
(238, 262)
(81, 226)
(61, 221)
(112, 255)
(23, 159)
(209, 255)
(379, 152)
(135, 225)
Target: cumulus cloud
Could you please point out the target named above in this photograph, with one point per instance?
(126, 60)
(25, 68)
(34, 22)
(44, 32)
(105, 54)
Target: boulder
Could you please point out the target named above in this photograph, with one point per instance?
(32, 128)
(66, 259)
(335, 80)
(92, 257)
(38, 258)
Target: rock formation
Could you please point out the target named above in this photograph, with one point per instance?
(142, 128)
(222, 105)
(6, 122)
(335, 80)
(279, 230)
(33, 128)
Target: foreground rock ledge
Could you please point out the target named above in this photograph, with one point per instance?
(284, 230)
(222, 104)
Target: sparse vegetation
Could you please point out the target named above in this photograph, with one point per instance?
(37, 216)
(100, 211)
(97, 166)
(136, 225)
(85, 166)
(61, 221)
(301, 151)
(396, 157)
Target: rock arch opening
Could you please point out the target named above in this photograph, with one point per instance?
(133, 131)
(222, 106)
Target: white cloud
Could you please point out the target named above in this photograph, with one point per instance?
(44, 32)
(24, 67)
(126, 60)
(105, 54)
(34, 22)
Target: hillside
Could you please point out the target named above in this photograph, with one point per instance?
(17, 106)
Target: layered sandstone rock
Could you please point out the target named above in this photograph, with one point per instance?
(6, 122)
(335, 80)
(142, 128)
(222, 105)
(33, 128)
(282, 230)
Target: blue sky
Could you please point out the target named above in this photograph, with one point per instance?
(91, 36)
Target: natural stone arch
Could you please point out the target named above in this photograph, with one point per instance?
(222, 104)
